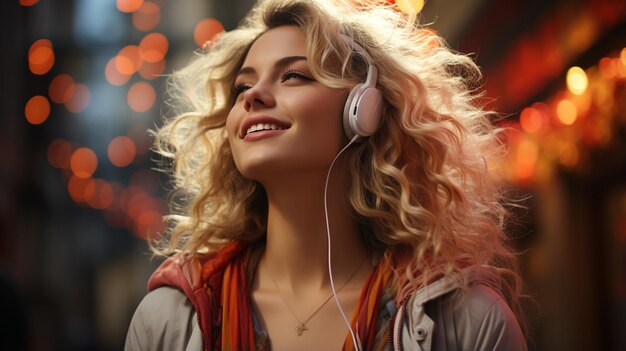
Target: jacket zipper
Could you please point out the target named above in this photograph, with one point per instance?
(397, 328)
(205, 340)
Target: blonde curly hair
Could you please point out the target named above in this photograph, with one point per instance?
(421, 187)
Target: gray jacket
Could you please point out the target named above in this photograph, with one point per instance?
(437, 317)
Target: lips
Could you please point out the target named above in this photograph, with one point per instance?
(258, 124)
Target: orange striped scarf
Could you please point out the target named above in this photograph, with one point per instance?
(237, 331)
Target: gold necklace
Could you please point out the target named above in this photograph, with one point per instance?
(301, 327)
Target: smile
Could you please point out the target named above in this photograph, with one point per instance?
(263, 126)
(260, 125)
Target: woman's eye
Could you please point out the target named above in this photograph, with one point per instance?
(239, 88)
(294, 75)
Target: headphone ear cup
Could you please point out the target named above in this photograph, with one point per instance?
(361, 113)
(367, 114)
(348, 111)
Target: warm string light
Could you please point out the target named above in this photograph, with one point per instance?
(564, 130)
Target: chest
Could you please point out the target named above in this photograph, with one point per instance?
(316, 324)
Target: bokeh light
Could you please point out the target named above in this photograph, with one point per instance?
(411, 7)
(37, 109)
(128, 61)
(608, 69)
(152, 70)
(59, 153)
(206, 30)
(99, 194)
(147, 17)
(566, 112)
(527, 155)
(128, 6)
(76, 188)
(141, 97)
(531, 120)
(79, 99)
(153, 47)
(568, 154)
(113, 76)
(577, 80)
(61, 88)
(28, 2)
(40, 57)
(83, 162)
(621, 67)
(121, 151)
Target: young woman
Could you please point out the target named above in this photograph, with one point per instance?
(332, 168)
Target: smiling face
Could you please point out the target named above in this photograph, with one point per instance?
(282, 120)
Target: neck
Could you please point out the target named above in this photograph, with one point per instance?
(296, 252)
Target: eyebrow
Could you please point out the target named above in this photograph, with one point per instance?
(285, 61)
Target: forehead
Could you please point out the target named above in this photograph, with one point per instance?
(276, 43)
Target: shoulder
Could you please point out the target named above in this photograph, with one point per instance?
(478, 318)
(164, 320)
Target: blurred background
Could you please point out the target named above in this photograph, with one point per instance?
(83, 81)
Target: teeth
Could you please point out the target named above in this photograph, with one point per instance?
(263, 126)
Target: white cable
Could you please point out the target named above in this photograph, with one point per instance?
(355, 340)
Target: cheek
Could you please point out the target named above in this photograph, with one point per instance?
(324, 114)
(231, 124)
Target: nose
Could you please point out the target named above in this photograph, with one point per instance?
(258, 96)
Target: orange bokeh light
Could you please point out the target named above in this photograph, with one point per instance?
(531, 120)
(128, 61)
(28, 2)
(149, 224)
(39, 43)
(152, 70)
(83, 162)
(99, 194)
(129, 6)
(608, 69)
(40, 57)
(76, 187)
(37, 109)
(141, 97)
(59, 153)
(153, 47)
(147, 17)
(79, 100)
(568, 154)
(566, 112)
(121, 151)
(61, 88)
(114, 76)
(206, 30)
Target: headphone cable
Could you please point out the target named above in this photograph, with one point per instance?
(355, 339)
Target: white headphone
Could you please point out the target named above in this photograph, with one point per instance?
(362, 112)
